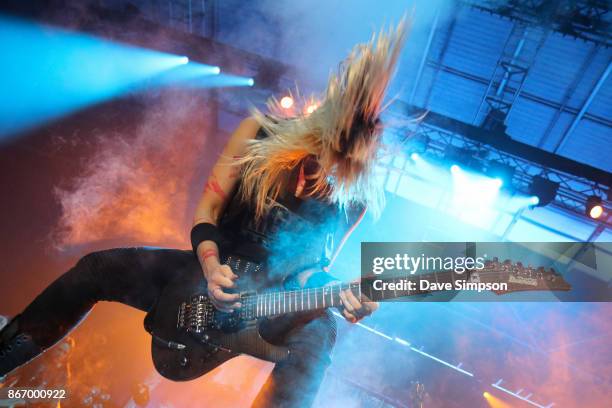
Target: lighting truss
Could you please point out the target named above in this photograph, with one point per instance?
(573, 190)
(588, 20)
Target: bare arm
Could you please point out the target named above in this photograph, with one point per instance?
(216, 195)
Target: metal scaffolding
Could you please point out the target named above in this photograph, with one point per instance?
(576, 182)
(588, 20)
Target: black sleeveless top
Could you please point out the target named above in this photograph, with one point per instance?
(295, 233)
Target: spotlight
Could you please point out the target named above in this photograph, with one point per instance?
(455, 169)
(485, 394)
(415, 156)
(594, 207)
(184, 60)
(216, 70)
(500, 171)
(311, 108)
(544, 189)
(250, 82)
(498, 182)
(534, 200)
(286, 102)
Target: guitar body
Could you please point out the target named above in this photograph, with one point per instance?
(190, 337)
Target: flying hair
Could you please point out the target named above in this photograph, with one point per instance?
(343, 133)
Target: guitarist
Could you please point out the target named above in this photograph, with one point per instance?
(281, 200)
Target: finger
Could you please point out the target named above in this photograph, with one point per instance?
(223, 281)
(221, 296)
(216, 304)
(349, 316)
(227, 272)
(224, 307)
(347, 305)
(355, 303)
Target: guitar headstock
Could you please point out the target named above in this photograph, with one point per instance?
(518, 277)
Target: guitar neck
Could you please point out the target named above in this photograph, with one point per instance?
(516, 277)
(301, 300)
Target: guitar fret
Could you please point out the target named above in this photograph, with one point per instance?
(270, 303)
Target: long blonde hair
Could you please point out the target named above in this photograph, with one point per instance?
(343, 133)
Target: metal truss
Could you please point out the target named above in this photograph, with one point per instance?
(588, 20)
(518, 55)
(433, 142)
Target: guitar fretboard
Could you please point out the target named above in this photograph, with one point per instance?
(276, 303)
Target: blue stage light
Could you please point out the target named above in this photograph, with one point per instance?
(48, 72)
(455, 169)
(216, 70)
(222, 80)
(498, 182)
(534, 200)
(184, 60)
(415, 156)
(251, 82)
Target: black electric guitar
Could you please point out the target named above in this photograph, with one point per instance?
(190, 337)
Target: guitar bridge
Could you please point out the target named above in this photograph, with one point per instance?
(195, 315)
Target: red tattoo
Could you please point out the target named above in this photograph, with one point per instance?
(235, 173)
(214, 186)
(208, 253)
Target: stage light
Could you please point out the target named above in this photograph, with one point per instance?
(544, 189)
(286, 102)
(219, 81)
(415, 156)
(534, 200)
(594, 207)
(498, 182)
(53, 72)
(311, 108)
(216, 70)
(455, 169)
(501, 171)
(184, 60)
(486, 394)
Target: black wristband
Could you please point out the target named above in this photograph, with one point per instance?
(204, 232)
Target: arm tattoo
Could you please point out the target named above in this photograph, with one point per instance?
(213, 185)
(208, 253)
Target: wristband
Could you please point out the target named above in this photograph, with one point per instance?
(204, 232)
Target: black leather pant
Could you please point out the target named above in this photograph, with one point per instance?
(136, 277)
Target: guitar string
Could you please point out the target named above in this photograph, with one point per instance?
(269, 298)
